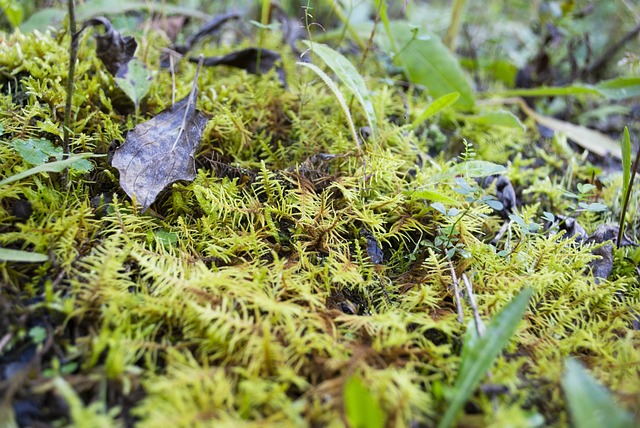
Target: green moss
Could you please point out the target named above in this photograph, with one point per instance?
(252, 299)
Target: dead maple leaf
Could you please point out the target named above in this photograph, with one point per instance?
(160, 151)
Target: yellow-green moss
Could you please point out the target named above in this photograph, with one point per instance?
(240, 319)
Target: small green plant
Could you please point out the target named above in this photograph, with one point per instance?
(628, 178)
(590, 404)
(361, 408)
(136, 82)
(585, 193)
(478, 354)
(349, 75)
(338, 94)
(448, 239)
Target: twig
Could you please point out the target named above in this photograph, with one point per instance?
(596, 69)
(472, 300)
(456, 291)
(73, 56)
(5, 339)
(370, 41)
(173, 80)
(454, 25)
(190, 102)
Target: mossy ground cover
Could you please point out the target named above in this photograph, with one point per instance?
(296, 260)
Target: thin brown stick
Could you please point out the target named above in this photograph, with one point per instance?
(596, 69)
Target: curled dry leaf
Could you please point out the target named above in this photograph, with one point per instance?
(113, 50)
(210, 27)
(252, 60)
(373, 248)
(160, 151)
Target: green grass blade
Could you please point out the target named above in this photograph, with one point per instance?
(626, 161)
(479, 353)
(436, 107)
(336, 91)
(590, 404)
(349, 75)
(550, 91)
(361, 408)
(57, 166)
(615, 89)
(621, 88)
(7, 255)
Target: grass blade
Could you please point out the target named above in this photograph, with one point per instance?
(361, 408)
(628, 176)
(436, 107)
(478, 353)
(590, 404)
(336, 91)
(57, 166)
(626, 161)
(349, 75)
(7, 255)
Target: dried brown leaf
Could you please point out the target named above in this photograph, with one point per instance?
(113, 50)
(160, 151)
(252, 60)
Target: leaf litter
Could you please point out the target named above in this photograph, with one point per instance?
(114, 50)
(161, 151)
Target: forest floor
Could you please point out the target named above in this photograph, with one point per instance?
(320, 217)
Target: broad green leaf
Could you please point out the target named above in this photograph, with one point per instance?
(336, 91)
(590, 404)
(349, 75)
(436, 107)
(13, 11)
(43, 19)
(54, 16)
(57, 166)
(621, 88)
(497, 118)
(36, 151)
(117, 7)
(8, 255)
(500, 70)
(426, 61)
(626, 160)
(136, 81)
(82, 165)
(478, 353)
(361, 408)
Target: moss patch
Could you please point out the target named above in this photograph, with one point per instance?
(254, 292)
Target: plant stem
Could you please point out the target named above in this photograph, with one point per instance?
(627, 196)
(73, 56)
(454, 25)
